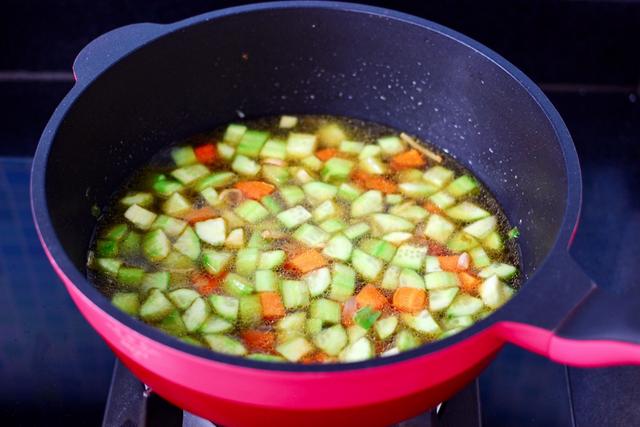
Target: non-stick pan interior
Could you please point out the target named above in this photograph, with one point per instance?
(309, 61)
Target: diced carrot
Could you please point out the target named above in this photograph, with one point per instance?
(408, 159)
(196, 215)
(206, 153)
(449, 262)
(469, 283)
(306, 261)
(272, 307)
(373, 182)
(433, 208)
(206, 284)
(317, 357)
(409, 299)
(262, 341)
(349, 309)
(255, 189)
(326, 154)
(360, 177)
(370, 296)
(436, 249)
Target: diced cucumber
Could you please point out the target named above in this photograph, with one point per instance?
(385, 327)
(406, 340)
(410, 256)
(210, 195)
(462, 185)
(391, 352)
(156, 245)
(294, 349)
(234, 133)
(250, 311)
(493, 242)
(313, 326)
(500, 269)
(331, 340)
(439, 299)
(277, 175)
(195, 315)
(464, 305)
(442, 199)
(294, 216)
(325, 210)
(441, 280)
(379, 249)
(410, 175)
(251, 211)
(312, 163)
(138, 198)
(266, 281)
(257, 241)
(265, 357)
(492, 293)
(173, 324)
(431, 264)
(410, 211)
(216, 180)
(106, 248)
(467, 212)
(215, 325)
(438, 228)
(225, 344)
(226, 306)
(188, 174)
(417, 190)
(294, 322)
(301, 145)
(130, 276)
(393, 199)
(438, 176)
(351, 147)
(140, 217)
(176, 204)
(382, 224)
(391, 278)
(479, 257)
(295, 294)
(318, 281)
(130, 246)
(274, 149)
(235, 239)
(272, 205)
(183, 156)
(481, 228)
(343, 282)
(333, 225)
(369, 151)
(331, 135)
(172, 227)
(397, 237)
(355, 332)
(373, 165)
(165, 187)
(226, 151)
(338, 247)
(421, 322)
(237, 285)
(247, 261)
(457, 323)
(318, 192)
(462, 242)
(117, 232)
(156, 307)
(356, 230)
(336, 169)
(271, 259)
(369, 267)
(177, 263)
(127, 302)
(357, 351)
(326, 310)
(348, 192)
(410, 279)
(366, 317)
(292, 195)
(158, 280)
(212, 231)
(251, 143)
(245, 166)
(214, 262)
(183, 298)
(391, 145)
(311, 236)
(188, 244)
(368, 203)
(300, 175)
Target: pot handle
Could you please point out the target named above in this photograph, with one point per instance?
(112, 46)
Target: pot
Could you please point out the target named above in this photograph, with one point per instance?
(141, 87)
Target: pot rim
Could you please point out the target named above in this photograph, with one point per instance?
(49, 239)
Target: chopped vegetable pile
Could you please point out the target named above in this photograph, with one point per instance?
(305, 239)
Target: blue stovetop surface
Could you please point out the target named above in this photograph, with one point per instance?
(54, 368)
